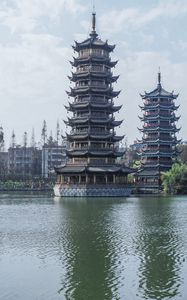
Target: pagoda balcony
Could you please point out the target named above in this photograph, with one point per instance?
(92, 85)
(91, 115)
(101, 70)
(91, 99)
(93, 59)
(163, 102)
(151, 127)
(156, 148)
(110, 122)
(154, 161)
(157, 152)
(159, 141)
(159, 106)
(161, 116)
(158, 113)
(91, 131)
(90, 54)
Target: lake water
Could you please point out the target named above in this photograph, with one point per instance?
(92, 249)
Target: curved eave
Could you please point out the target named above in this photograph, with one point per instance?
(164, 107)
(159, 117)
(86, 153)
(159, 92)
(173, 130)
(69, 170)
(77, 137)
(158, 154)
(116, 108)
(116, 123)
(89, 89)
(93, 74)
(94, 43)
(86, 60)
(158, 141)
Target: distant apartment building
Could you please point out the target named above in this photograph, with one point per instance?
(53, 155)
(24, 162)
(3, 165)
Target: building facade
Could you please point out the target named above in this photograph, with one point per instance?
(159, 135)
(53, 155)
(91, 169)
(24, 162)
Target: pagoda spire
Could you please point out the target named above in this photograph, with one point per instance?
(159, 79)
(93, 33)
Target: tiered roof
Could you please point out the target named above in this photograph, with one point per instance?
(92, 124)
(159, 132)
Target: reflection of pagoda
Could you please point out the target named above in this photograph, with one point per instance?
(159, 135)
(91, 169)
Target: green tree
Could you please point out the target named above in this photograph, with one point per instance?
(175, 180)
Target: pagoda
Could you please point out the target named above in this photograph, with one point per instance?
(93, 145)
(159, 142)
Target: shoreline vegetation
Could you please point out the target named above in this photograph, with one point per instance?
(174, 182)
(27, 185)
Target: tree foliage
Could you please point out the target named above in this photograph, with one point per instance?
(175, 180)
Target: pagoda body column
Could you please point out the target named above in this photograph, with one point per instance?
(159, 135)
(91, 123)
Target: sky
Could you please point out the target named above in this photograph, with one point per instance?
(35, 49)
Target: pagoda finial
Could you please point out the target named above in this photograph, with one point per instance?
(93, 34)
(159, 78)
(93, 21)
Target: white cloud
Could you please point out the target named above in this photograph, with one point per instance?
(133, 18)
(24, 15)
(138, 74)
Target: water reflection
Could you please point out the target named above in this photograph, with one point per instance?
(92, 249)
(160, 248)
(89, 247)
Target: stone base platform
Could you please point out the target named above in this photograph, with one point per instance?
(92, 190)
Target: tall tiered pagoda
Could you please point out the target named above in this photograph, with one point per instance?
(91, 169)
(159, 136)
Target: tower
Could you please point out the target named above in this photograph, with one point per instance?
(159, 135)
(91, 169)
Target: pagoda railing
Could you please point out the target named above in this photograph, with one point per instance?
(91, 148)
(104, 118)
(97, 69)
(156, 161)
(94, 54)
(157, 140)
(93, 115)
(158, 112)
(91, 84)
(151, 102)
(158, 125)
(92, 131)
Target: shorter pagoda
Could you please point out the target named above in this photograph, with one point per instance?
(91, 169)
(159, 141)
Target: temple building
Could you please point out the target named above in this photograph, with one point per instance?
(91, 169)
(159, 136)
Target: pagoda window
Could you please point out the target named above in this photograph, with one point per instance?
(98, 145)
(97, 83)
(99, 52)
(98, 129)
(83, 68)
(98, 114)
(82, 83)
(98, 99)
(80, 160)
(83, 99)
(98, 68)
(84, 52)
(97, 161)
